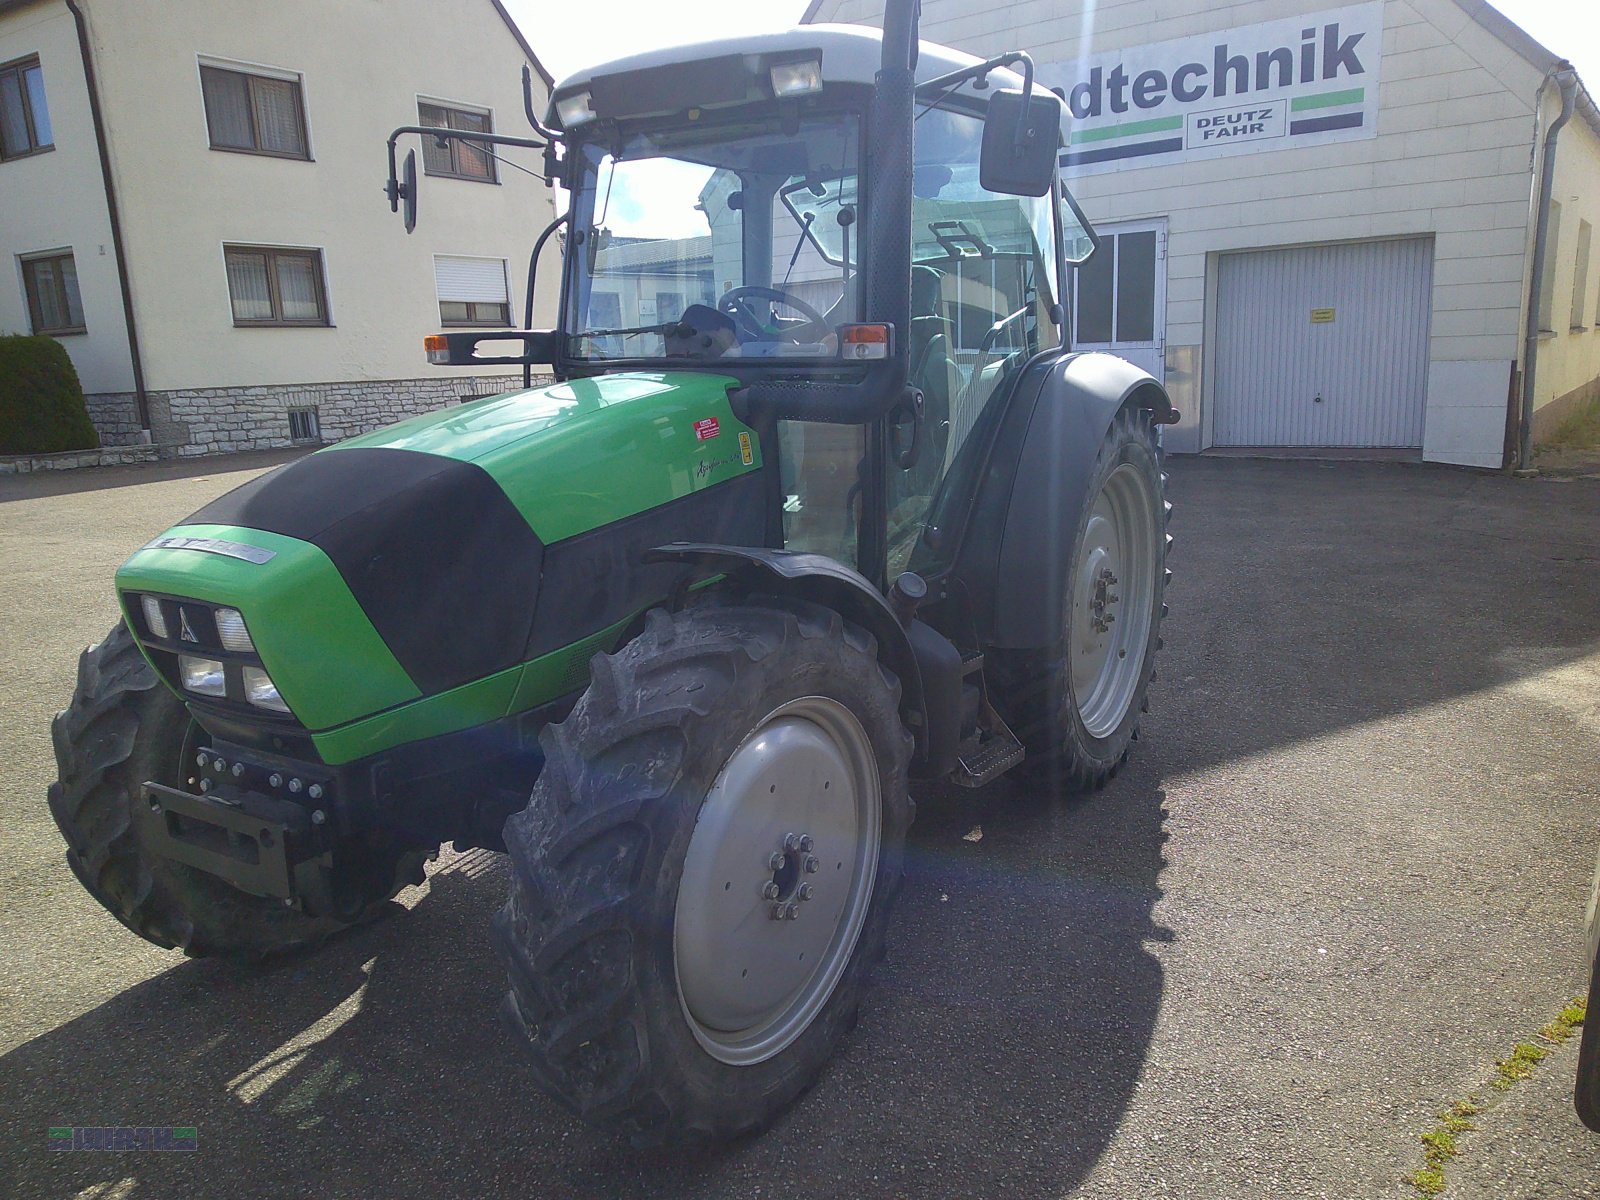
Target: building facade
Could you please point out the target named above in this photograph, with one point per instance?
(191, 200)
(1318, 222)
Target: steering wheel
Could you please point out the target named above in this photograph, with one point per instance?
(736, 303)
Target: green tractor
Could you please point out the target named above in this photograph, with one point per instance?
(820, 509)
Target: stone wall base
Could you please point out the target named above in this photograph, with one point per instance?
(108, 456)
(229, 420)
(116, 418)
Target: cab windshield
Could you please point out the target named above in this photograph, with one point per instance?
(688, 244)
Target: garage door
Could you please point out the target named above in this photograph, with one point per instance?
(1323, 345)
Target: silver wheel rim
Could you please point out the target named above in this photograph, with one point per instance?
(1113, 586)
(777, 880)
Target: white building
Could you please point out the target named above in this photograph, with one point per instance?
(1319, 221)
(190, 199)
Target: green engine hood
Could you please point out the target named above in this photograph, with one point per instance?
(462, 565)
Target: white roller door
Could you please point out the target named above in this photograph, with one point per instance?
(1323, 345)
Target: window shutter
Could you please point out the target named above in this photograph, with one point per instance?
(471, 280)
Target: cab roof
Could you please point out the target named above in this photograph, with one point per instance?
(851, 54)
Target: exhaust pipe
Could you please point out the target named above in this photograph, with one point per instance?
(888, 215)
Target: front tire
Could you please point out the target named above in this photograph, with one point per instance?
(124, 728)
(730, 762)
(1076, 705)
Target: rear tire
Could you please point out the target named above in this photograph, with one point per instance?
(640, 869)
(1076, 706)
(122, 729)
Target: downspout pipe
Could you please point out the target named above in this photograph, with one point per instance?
(141, 397)
(1568, 79)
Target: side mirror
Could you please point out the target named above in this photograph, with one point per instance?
(408, 184)
(1021, 137)
(404, 189)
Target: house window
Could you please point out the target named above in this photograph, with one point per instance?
(304, 425)
(1580, 277)
(456, 158)
(24, 116)
(51, 282)
(1547, 284)
(472, 291)
(254, 114)
(273, 286)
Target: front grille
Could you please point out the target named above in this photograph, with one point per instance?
(191, 628)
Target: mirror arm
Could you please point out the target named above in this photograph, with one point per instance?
(539, 127)
(533, 267)
(1027, 95)
(960, 76)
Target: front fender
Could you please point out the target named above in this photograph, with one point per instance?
(828, 582)
(1016, 556)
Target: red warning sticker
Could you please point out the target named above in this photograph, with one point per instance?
(706, 428)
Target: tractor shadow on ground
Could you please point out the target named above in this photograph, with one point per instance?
(997, 1051)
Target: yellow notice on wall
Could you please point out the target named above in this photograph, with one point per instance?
(1322, 316)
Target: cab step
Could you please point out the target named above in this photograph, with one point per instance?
(988, 754)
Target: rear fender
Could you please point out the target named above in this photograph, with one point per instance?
(828, 582)
(1016, 554)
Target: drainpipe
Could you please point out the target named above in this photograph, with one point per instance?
(141, 398)
(1568, 79)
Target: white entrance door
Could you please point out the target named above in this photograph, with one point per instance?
(1324, 345)
(1120, 295)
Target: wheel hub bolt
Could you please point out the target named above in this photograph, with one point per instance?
(805, 843)
(238, 770)
(812, 864)
(775, 861)
(805, 891)
(205, 785)
(275, 780)
(769, 891)
(319, 817)
(791, 841)
(780, 912)
(200, 760)
(315, 791)
(295, 785)
(794, 911)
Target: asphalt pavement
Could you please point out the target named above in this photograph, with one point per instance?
(1342, 875)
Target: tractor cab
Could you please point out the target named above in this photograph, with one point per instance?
(721, 198)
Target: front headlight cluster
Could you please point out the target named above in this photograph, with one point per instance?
(169, 621)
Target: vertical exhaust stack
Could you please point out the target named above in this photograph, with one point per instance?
(888, 202)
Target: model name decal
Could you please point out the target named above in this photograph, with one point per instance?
(239, 550)
(1295, 81)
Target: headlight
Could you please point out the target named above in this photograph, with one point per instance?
(803, 78)
(154, 619)
(574, 109)
(202, 675)
(261, 691)
(230, 628)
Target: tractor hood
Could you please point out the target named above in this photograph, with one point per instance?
(427, 567)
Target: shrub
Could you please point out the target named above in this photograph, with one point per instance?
(41, 400)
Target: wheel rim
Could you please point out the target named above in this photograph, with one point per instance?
(1113, 587)
(777, 880)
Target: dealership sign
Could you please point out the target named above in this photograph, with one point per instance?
(1300, 81)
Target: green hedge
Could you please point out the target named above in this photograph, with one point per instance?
(41, 400)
